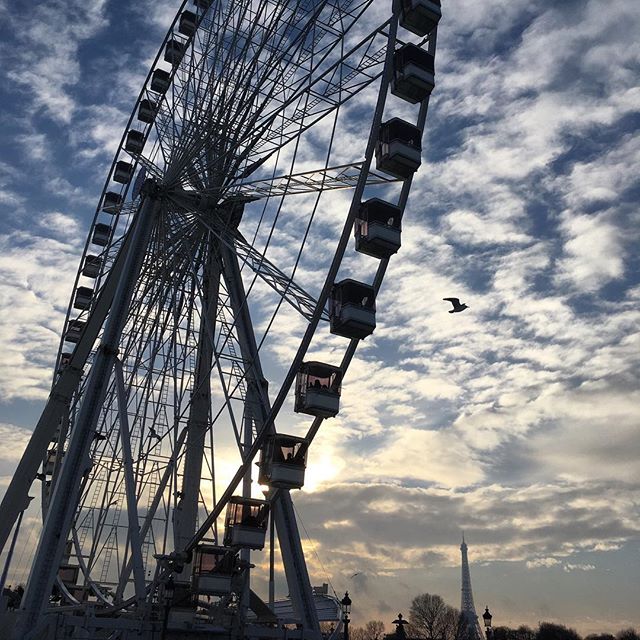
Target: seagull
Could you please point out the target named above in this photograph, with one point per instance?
(457, 307)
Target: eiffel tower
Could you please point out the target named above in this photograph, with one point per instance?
(467, 608)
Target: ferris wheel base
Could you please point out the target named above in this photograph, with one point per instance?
(178, 623)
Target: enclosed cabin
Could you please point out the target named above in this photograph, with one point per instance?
(318, 389)
(212, 570)
(147, 110)
(377, 228)
(160, 81)
(174, 51)
(135, 141)
(413, 77)
(399, 148)
(420, 16)
(112, 202)
(352, 309)
(91, 266)
(245, 523)
(65, 359)
(101, 233)
(74, 330)
(188, 23)
(283, 461)
(123, 172)
(83, 297)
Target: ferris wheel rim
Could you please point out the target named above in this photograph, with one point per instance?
(337, 258)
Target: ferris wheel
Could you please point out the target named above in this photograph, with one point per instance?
(220, 256)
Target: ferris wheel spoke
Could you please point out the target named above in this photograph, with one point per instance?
(257, 97)
(284, 285)
(340, 83)
(340, 177)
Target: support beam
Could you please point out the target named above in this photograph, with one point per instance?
(257, 402)
(16, 497)
(130, 486)
(77, 463)
(186, 512)
(295, 568)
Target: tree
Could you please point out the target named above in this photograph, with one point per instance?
(627, 634)
(551, 631)
(372, 630)
(507, 633)
(432, 618)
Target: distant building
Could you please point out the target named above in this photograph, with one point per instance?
(467, 608)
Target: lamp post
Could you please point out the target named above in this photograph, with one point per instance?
(346, 610)
(486, 616)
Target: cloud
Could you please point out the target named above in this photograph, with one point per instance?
(36, 274)
(578, 567)
(542, 562)
(47, 63)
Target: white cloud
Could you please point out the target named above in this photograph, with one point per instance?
(542, 562)
(48, 62)
(594, 251)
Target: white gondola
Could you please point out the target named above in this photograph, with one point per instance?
(413, 77)
(420, 16)
(83, 298)
(188, 23)
(173, 52)
(245, 524)
(101, 233)
(160, 81)
(399, 148)
(123, 172)
(213, 569)
(135, 142)
(74, 330)
(377, 228)
(112, 202)
(352, 309)
(147, 111)
(91, 266)
(283, 461)
(318, 389)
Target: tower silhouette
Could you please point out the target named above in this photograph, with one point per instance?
(467, 608)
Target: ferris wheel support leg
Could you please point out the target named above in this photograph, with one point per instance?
(257, 407)
(256, 396)
(186, 512)
(130, 486)
(16, 497)
(295, 567)
(76, 464)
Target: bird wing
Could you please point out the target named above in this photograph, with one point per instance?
(454, 301)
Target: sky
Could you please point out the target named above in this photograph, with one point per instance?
(515, 421)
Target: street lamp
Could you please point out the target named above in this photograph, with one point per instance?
(346, 610)
(486, 616)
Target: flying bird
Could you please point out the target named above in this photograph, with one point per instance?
(457, 307)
